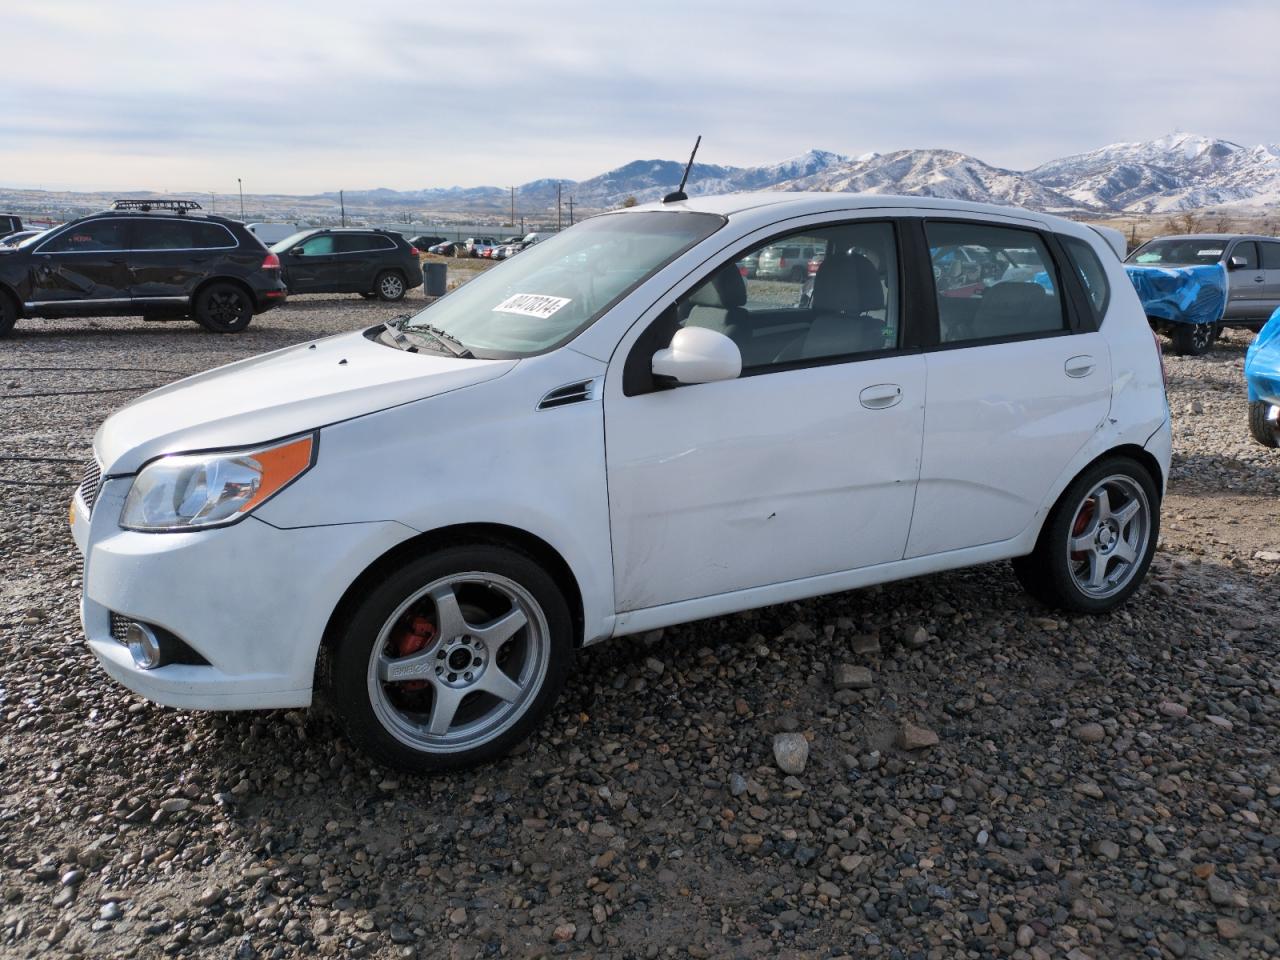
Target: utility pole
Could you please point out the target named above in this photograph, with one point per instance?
(513, 206)
(342, 203)
(213, 202)
(571, 211)
(240, 183)
(557, 207)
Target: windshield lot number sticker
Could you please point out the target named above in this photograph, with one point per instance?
(532, 305)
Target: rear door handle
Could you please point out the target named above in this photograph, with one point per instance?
(1080, 366)
(880, 396)
(1259, 279)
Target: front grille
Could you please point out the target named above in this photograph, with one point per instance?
(90, 484)
(119, 626)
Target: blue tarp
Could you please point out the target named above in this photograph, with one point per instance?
(1262, 363)
(1196, 294)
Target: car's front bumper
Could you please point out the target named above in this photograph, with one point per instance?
(251, 599)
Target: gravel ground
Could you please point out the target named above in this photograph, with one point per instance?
(972, 776)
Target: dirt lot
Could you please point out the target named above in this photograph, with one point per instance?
(1100, 788)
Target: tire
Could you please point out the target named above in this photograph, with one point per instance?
(1117, 544)
(491, 585)
(223, 308)
(8, 314)
(1193, 339)
(1260, 428)
(389, 286)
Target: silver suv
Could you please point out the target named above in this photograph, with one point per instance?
(788, 261)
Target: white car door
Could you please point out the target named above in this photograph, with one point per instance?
(1017, 385)
(804, 465)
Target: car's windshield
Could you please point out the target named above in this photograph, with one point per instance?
(1180, 250)
(558, 287)
(289, 241)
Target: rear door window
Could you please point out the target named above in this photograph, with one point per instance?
(992, 282)
(1270, 256)
(1091, 272)
(360, 242)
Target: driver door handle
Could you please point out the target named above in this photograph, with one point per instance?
(880, 396)
(1080, 366)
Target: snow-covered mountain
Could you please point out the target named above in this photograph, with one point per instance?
(938, 173)
(1181, 171)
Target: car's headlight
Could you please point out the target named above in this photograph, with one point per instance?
(194, 491)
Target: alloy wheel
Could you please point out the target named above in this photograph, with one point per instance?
(458, 662)
(1109, 536)
(391, 287)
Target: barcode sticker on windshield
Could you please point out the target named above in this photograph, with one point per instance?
(1209, 253)
(532, 305)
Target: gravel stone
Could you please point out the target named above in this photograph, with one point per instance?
(790, 752)
(649, 812)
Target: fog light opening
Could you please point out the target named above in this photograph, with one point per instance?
(143, 646)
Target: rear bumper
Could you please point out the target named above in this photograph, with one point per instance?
(265, 298)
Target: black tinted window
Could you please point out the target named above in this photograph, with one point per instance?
(1089, 269)
(992, 282)
(207, 235)
(161, 235)
(1270, 256)
(355, 243)
(1249, 250)
(90, 236)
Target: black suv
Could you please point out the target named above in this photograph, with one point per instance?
(156, 259)
(373, 263)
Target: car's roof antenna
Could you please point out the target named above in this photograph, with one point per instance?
(679, 192)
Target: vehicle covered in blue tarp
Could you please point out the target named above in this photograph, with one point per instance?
(1262, 373)
(1186, 302)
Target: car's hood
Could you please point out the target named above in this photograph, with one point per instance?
(278, 394)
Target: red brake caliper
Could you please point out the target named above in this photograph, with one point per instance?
(1081, 525)
(420, 633)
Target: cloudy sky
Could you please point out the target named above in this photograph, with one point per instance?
(299, 97)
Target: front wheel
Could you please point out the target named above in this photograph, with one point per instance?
(1193, 339)
(1098, 541)
(223, 308)
(1263, 426)
(452, 660)
(389, 286)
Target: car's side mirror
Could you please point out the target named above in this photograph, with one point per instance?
(698, 355)
(1237, 263)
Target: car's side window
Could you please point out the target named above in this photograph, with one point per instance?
(359, 243)
(92, 237)
(317, 246)
(992, 282)
(161, 235)
(1249, 250)
(1090, 270)
(1270, 256)
(815, 295)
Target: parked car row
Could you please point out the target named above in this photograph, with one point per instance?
(488, 248)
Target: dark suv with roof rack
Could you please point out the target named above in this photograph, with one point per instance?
(158, 259)
(363, 260)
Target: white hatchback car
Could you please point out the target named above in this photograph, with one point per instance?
(615, 431)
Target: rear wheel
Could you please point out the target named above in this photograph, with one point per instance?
(8, 314)
(1263, 427)
(1193, 339)
(389, 286)
(452, 660)
(1098, 541)
(223, 308)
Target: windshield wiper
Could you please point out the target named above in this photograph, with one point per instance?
(447, 340)
(397, 334)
